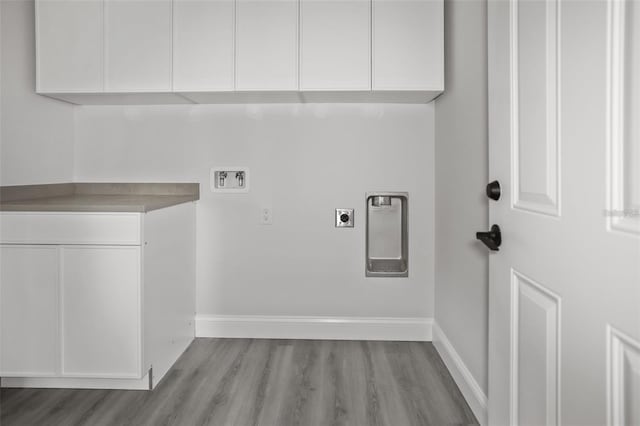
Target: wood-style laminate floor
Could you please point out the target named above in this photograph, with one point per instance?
(266, 382)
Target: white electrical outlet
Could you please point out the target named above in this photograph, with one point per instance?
(266, 216)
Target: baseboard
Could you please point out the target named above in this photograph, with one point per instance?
(323, 328)
(75, 383)
(469, 387)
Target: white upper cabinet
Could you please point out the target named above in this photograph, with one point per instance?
(69, 46)
(408, 45)
(203, 42)
(138, 45)
(266, 45)
(181, 51)
(335, 51)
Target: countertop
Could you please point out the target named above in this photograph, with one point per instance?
(97, 197)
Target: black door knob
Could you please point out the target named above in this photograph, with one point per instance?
(493, 190)
(491, 239)
(344, 218)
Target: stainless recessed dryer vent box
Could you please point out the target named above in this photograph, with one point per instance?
(387, 234)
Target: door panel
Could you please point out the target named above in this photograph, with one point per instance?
(624, 108)
(101, 311)
(534, 105)
(632, 104)
(28, 310)
(536, 338)
(624, 379)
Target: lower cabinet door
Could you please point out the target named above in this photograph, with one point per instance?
(101, 311)
(28, 310)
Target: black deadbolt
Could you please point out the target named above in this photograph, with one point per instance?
(491, 239)
(344, 218)
(493, 190)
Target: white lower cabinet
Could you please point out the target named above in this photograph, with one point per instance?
(90, 315)
(28, 310)
(100, 300)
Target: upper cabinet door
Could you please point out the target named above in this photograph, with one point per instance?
(266, 45)
(335, 45)
(408, 45)
(203, 32)
(138, 45)
(65, 61)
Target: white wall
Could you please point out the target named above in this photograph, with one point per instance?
(305, 161)
(461, 289)
(36, 133)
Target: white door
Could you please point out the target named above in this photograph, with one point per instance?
(101, 311)
(335, 46)
(28, 310)
(137, 43)
(565, 146)
(266, 45)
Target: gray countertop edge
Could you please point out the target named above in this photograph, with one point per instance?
(61, 207)
(96, 197)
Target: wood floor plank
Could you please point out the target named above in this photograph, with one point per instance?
(277, 387)
(216, 408)
(393, 409)
(213, 364)
(419, 388)
(373, 410)
(295, 404)
(351, 369)
(244, 382)
(446, 392)
(247, 400)
(332, 407)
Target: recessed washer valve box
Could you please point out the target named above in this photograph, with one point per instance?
(344, 218)
(230, 179)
